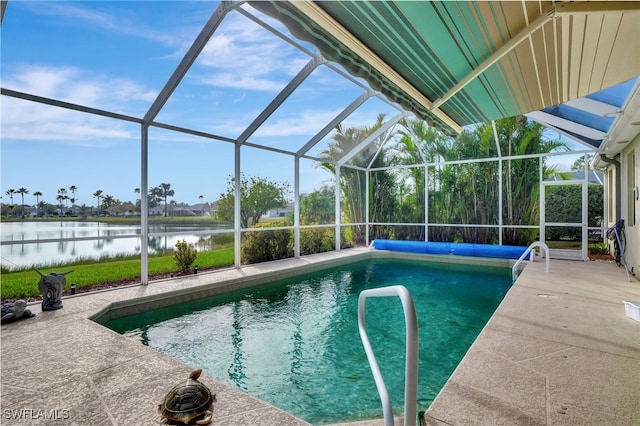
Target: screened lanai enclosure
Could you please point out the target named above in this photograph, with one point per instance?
(283, 129)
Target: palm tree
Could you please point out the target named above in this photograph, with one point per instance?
(138, 204)
(469, 193)
(98, 195)
(73, 190)
(418, 144)
(108, 201)
(62, 196)
(10, 193)
(37, 194)
(353, 181)
(22, 191)
(163, 191)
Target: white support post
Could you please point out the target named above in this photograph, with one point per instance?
(144, 204)
(542, 230)
(426, 203)
(237, 240)
(366, 204)
(296, 207)
(337, 195)
(500, 182)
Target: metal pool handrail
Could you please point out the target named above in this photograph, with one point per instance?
(534, 244)
(411, 365)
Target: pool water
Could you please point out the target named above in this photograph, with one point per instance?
(295, 343)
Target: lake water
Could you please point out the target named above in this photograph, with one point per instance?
(33, 243)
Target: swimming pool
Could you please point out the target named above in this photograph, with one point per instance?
(295, 344)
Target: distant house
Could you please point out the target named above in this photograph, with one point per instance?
(596, 178)
(280, 212)
(201, 209)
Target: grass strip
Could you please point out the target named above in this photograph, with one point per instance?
(24, 284)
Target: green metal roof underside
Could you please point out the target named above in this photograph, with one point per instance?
(471, 62)
(333, 50)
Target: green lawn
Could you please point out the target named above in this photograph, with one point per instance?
(24, 283)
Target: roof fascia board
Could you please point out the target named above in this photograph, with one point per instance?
(496, 56)
(189, 58)
(339, 32)
(626, 124)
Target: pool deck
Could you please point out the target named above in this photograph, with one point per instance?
(559, 350)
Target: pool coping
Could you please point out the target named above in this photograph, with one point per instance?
(144, 303)
(63, 360)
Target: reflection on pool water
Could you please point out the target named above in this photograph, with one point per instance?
(295, 344)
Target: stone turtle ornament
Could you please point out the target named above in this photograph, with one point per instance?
(188, 403)
(15, 311)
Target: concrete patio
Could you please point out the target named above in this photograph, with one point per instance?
(559, 350)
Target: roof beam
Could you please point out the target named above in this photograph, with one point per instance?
(315, 13)
(337, 120)
(68, 105)
(550, 119)
(575, 8)
(189, 58)
(496, 56)
(282, 96)
(594, 107)
(366, 141)
(3, 7)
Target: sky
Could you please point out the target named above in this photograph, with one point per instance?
(117, 56)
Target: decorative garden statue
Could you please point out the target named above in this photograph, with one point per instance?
(15, 311)
(51, 287)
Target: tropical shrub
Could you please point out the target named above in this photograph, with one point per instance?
(317, 240)
(185, 254)
(599, 248)
(263, 246)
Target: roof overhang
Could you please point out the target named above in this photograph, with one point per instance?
(596, 119)
(460, 63)
(626, 128)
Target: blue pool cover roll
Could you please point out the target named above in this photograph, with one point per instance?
(459, 249)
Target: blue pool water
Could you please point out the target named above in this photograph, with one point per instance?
(295, 343)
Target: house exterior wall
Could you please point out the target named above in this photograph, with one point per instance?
(630, 202)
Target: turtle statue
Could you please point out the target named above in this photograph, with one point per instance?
(51, 287)
(15, 311)
(188, 402)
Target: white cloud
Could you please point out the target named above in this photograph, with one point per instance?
(113, 22)
(25, 120)
(74, 85)
(246, 56)
(307, 122)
